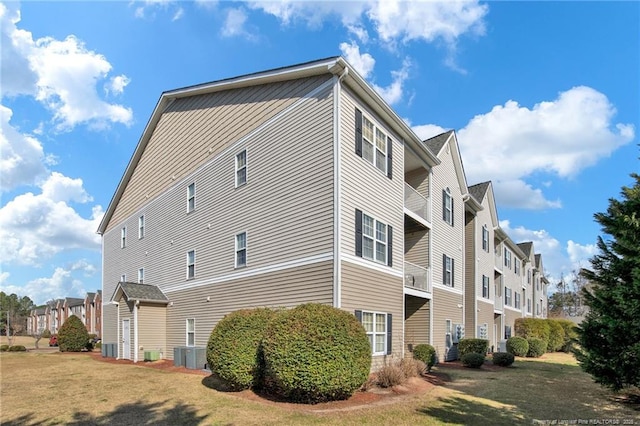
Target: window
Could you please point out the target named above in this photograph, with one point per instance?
(485, 286)
(378, 328)
(141, 275)
(241, 168)
(529, 305)
(507, 296)
(191, 264)
(241, 250)
(191, 331)
(373, 144)
(191, 198)
(537, 309)
(373, 239)
(447, 206)
(516, 266)
(485, 238)
(123, 237)
(507, 331)
(123, 278)
(141, 227)
(447, 271)
(528, 276)
(507, 258)
(516, 302)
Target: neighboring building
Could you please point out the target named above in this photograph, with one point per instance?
(53, 314)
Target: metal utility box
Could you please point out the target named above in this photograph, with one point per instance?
(151, 355)
(195, 358)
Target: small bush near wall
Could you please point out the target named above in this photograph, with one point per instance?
(472, 360)
(315, 353)
(4, 348)
(503, 359)
(518, 346)
(556, 336)
(537, 347)
(17, 348)
(73, 335)
(425, 353)
(234, 352)
(478, 346)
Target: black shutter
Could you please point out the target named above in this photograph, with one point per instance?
(389, 158)
(389, 334)
(358, 132)
(452, 270)
(444, 269)
(444, 205)
(358, 233)
(358, 314)
(389, 246)
(451, 211)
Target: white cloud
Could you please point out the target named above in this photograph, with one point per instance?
(394, 92)
(4, 276)
(22, 158)
(117, 84)
(34, 228)
(61, 284)
(312, 13)
(61, 74)
(363, 63)
(427, 131)
(579, 254)
(207, 4)
(519, 194)
(146, 9)
(234, 24)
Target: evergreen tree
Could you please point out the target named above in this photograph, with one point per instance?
(609, 337)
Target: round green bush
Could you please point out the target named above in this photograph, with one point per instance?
(517, 346)
(537, 347)
(46, 334)
(472, 360)
(73, 335)
(4, 348)
(425, 353)
(478, 346)
(556, 336)
(503, 359)
(17, 348)
(234, 350)
(315, 353)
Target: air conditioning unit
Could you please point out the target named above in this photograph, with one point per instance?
(458, 332)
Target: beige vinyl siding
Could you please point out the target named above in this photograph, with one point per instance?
(286, 288)
(152, 329)
(286, 207)
(485, 316)
(472, 279)
(445, 307)
(126, 312)
(370, 290)
(416, 325)
(419, 180)
(364, 187)
(192, 130)
(416, 248)
(509, 320)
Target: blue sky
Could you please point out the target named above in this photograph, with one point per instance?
(544, 97)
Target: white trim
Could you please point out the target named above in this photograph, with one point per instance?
(447, 288)
(371, 265)
(417, 218)
(411, 291)
(140, 275)
(512, 309)
(246, 250)
(245, 167)
(136, 348)
(188, 264)
(186, 332)
(375, 240)
(385, 333)
(244, 273)
(141, 229)
(189, 197)
(337, 231)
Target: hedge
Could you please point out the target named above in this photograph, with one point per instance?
(517, 346)
(570, 334)
(556, 336)
(17, 348)
(532, 327)
(478, 346)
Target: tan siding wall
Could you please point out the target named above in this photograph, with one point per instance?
(416, 248)
(471, 283)
(370, 290)
(193, 130)
(509, 320)
(485, 316)
(419, 180)
(416, 327)
(444, 307)
(152, 329)
(287, 288)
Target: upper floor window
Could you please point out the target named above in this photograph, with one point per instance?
(191, 332)
(123, 237)
(141, 227)
(485, 286)
(447, 270)
(507, 331)
(507, 258)
(241, 168)
(516, 302)
(507, 296)
(373, 144)
(141, 275)
(123, 278)
(529, 305)
(528, 276)
(241, 249)
(447, 206)
(191, 264)
(485, 238)
(191, 197)
(516, 266)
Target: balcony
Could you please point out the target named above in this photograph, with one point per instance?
(417, 204)
(498, 305)
(498, 262)
(416, 277)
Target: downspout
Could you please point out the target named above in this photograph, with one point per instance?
(431, 255)
(136, 306)
(337, 234)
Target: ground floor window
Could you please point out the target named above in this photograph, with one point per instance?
(191, 332)
(377, 325)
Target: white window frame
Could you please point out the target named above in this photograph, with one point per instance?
(123, 278)
(507, 296)
(507, 258)
(241, 168)
(141, 227)
(485, 280)
(507, 335)
(374, 333)
(191, 197)
(239, 249)
(516, 300)
(485, 238)
(516, 267)
(448, 271)
(191, 265)
(448, 206)
(376, 241)
(528, 276)
(191, 332)
(379, 162)
(123, 237)
(141, 276)
(528, 304)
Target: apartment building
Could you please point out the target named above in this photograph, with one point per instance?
(283, 187)
(52, 315)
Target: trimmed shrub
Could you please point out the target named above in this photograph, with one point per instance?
(17, 348)
(556, 336)
(73, 336)
(472, 360)
(390, 375)
(425, 353)
(234, 350)
(517, 346)
(570, 335)
(478, 346)
(315, 353)
(537, 347)
(46, 334)
(503, 359)
(532, 327)
(4, 348)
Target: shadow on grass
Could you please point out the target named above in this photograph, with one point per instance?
(216, 383)
(463, 411)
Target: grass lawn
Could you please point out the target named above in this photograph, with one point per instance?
(54, 388)
(26, 341)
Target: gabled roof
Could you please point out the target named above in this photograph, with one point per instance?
(139, 292)
(89, 296)
(526, 247)
(73, 301)
(336, 66)
(436, 143)
(479, 190)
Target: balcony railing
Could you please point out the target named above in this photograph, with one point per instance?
(416, 203)
(416, 277)
(498, 304)
(498, 262)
